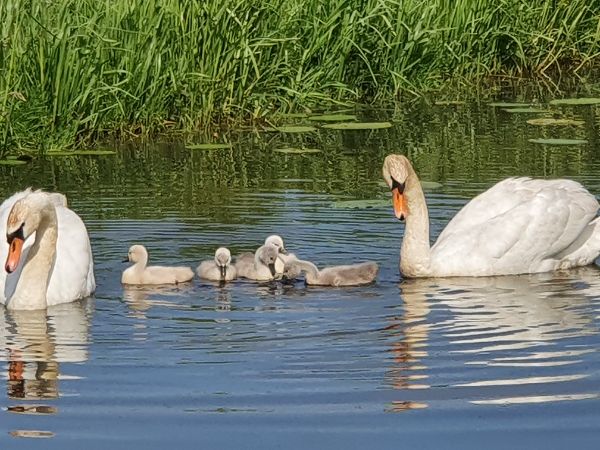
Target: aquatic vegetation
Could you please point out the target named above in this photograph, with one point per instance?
(358, 125)
(208, 146)
(293, 129)
(551, 121)
(12, 162)
(525, 110)
(575, 101)
(510, 105)
(332, 117)
(557, 141)
(297, 151)
(72, 72)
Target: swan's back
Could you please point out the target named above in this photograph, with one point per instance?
(515, 227)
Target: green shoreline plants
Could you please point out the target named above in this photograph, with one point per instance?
(74, 71)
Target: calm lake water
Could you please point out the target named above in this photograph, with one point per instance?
(507, 362)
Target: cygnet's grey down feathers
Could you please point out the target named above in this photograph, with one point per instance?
(346, 275)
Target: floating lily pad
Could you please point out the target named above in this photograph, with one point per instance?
(430, 185)
(95, 152)
(333, 117)
(575, 101)
(61, 153)
(524, 110)
(12, 162)
(361, 204)
(551, 141)
(546, 121)
(510, 105)
(292, 115)
(449, 102)
(297, 151)
(80, 152)
(207, 146)
(293, 129)
(357, 125)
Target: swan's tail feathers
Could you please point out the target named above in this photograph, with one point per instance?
(584, 250)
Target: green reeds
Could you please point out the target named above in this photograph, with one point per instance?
(75, 70)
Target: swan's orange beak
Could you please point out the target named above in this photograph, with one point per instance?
(14, 254)
(399, 201)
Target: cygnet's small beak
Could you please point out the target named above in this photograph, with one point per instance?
(283, 251)
(126, 259)
(272, 269)
(223, 270)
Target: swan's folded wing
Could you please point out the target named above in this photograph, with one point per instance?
(507, 195)
(542, 222)
(72, 276)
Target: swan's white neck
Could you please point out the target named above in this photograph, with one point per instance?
(415, 252)
(32, 286)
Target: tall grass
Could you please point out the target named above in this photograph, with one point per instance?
(75, 70)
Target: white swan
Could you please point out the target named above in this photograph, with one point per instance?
(346, 275)
(140, 273)
(47, 252)
(219, 268)
(518, 226)
(261, 267)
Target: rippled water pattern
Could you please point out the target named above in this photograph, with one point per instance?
(507, 362)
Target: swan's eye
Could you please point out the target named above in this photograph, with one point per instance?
(18, 233)
(397, 185)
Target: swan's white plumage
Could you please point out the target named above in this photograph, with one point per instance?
(519, 225)
(72, 274)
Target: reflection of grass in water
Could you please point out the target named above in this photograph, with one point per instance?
(73, 71)
(474, 144)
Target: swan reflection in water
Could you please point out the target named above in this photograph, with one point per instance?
(142, 298)
(494, 336)
(35, 343)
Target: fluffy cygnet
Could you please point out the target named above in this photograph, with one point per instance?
(346, 275)
(139, 273)
(261, 267)
(219, 268)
